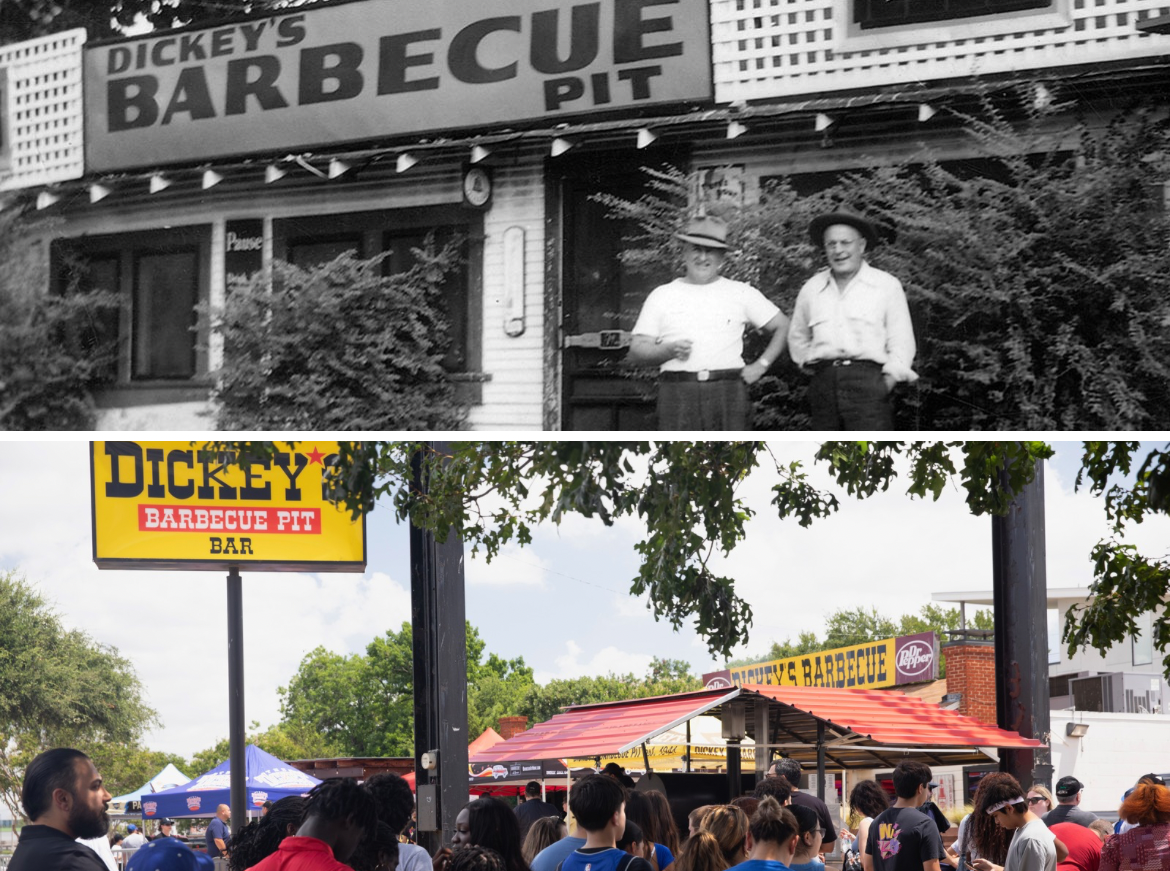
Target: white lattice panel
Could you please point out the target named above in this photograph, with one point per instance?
(788, 48)
(42, 110)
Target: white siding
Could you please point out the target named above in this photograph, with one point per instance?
(1113, 754)
(514, 397)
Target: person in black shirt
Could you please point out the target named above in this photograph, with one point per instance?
(533, 809)
(789, 769)
(903, 838)
(64, 797)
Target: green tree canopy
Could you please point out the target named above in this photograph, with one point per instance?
(284, 741)
(58, 687)
(363, 704)
(26, 19)
(687, 494)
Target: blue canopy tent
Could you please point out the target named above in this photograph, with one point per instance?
(266, 778)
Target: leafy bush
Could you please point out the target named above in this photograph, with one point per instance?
(338, 346)
(1040, 289)
(52, 355)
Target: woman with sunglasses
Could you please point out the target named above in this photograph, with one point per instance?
(808, 848)
(1040, 800)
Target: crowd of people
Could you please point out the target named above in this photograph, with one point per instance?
(343, 825)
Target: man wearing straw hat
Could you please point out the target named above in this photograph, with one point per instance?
(851, 329)
(692, 329)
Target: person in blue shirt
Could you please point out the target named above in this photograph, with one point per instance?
(775, 836)
(599, 805)
(218, 834)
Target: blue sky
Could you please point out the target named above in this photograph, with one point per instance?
(562, 603)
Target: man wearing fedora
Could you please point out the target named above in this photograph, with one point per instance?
(851, 329)
(692, 329)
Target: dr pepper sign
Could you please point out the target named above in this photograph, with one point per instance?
(181, 505)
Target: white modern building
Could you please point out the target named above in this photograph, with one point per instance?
(1110, 712)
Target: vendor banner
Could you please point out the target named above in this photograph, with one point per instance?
(369, 69)
(526, 770)
(873, 665)
(185, 505)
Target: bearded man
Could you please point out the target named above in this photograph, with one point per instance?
(64, 797)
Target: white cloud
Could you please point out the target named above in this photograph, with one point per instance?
(631, 606)
(601, 662)
(512, 566)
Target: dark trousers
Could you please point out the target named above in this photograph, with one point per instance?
(703, 405)
(850, 397)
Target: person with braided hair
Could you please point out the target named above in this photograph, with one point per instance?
(378, 852)
(475, 858)
(260, 838)
(338, 814)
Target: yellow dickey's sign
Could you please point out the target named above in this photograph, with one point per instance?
(868, 666)
(179, 505)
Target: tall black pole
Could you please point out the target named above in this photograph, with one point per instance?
(438, 620)
(235, 609)
(1020, 597)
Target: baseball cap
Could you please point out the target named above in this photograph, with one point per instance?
(932, 785)
(1067, 787)
(169, 854)
(167, 821)
(132, 828)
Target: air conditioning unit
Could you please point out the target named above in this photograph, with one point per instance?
(1121, 693)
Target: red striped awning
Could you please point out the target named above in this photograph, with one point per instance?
(602, 729)
(861, 728)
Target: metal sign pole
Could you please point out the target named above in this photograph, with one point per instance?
(438, 631)
(235, 610)
(1021, 630)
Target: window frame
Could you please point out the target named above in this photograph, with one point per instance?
(848, 35)
(928, 11)
(127, 248)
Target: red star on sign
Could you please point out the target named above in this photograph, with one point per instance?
(316, 457)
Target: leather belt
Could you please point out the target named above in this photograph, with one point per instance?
(701, 375)
(824, 364)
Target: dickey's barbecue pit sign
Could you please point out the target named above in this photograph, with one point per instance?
(178, 505)
(876, 664)
(373, 68)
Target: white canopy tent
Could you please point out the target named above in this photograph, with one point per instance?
(168, 778)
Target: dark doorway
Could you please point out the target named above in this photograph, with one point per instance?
(601, 295)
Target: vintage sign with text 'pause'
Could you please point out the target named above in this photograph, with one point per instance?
(181, 505)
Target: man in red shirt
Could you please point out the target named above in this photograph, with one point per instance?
(338, 814)
(1084, 847)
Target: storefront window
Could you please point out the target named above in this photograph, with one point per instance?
(161, 276)
(890, 13)
(313, 240)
